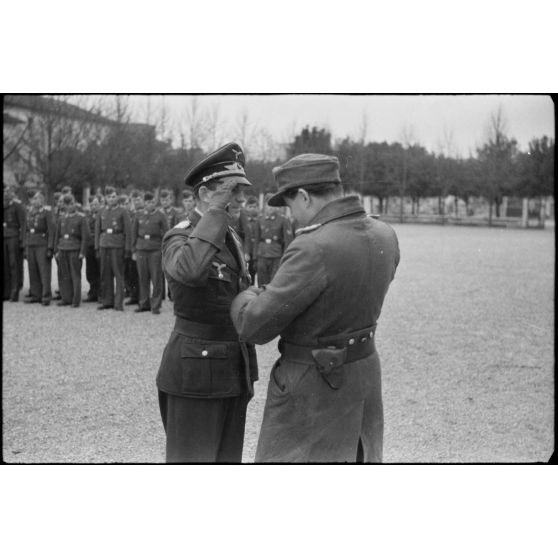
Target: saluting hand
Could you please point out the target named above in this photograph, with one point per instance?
(223, 193)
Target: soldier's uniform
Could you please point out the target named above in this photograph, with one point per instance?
(250, 224)
(39, 247)
(72, 237)
(92, 267)
(324, 400)
(273, 235)
(206, 374)
(148, 229)
(113, 240)
(131, 277)
(13, 233)
(173, 217)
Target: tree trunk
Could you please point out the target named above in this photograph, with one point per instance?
(440, 206)
(497, 207)
(418, 205)
(490, 204)
(401, 198)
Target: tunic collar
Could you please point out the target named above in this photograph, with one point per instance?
(338, 208)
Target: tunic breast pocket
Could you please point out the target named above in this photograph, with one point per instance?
(210, 369)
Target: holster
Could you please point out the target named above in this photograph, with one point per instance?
(329, 363)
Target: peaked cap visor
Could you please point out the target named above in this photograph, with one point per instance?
(226, 161)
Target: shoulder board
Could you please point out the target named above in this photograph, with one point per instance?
(183, 224)
(308, 229)
(374, 215)
(47, 207)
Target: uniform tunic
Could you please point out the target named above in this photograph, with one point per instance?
(13, 232)
(113, 239)
(273, 235)
(206, 374)
(148, 230)
(72, 238)
(39, 244)
(328, 292)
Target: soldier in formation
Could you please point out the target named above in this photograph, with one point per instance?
(13, 233)
(39, 249)
(273, 235)
(71, 240)
(148, 228)
(113, 240)
(92, 267)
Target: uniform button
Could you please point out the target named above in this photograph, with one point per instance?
(351, 341)
(204, 353)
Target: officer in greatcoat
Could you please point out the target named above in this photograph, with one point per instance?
(206, 375)
(148, 229)
(324, 401)
(113, 240)
(72, 237)
(39, 249)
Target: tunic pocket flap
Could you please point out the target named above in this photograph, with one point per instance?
(204, 351)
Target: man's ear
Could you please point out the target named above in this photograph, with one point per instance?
(203, 194)
(305, 196)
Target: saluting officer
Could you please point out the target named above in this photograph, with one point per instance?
(206, 375)
(113, 240)
(148, 228)
(324, 401)
(273, 235)
(39, 249)
(72, 237)
(13, 233)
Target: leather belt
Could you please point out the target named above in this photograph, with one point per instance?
(307, 355)
(199, 330)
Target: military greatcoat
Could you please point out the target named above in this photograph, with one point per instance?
(206, 375)
(324, 400)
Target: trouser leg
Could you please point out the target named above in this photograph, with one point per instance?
(117, 259)
(263, 271)
(203, 430)
(12, 262)
(92, 273)
(107, 278)
(156, 275)
(143, 275)
(75, 274)
(274, 266)
(65, 274)
(35, 286)
(44, 265)
(252, 268)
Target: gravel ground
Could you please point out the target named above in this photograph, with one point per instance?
(466, 340)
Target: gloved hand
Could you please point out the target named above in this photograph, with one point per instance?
(134, 256)
(49, 254)
(223, 193)
(24, 253)
(81, 256)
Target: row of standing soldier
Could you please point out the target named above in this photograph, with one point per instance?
(119, 238)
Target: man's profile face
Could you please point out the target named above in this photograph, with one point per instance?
(298, 208)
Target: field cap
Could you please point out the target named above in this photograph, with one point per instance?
(304, 170)
(226, 161)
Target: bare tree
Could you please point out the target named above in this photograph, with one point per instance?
(243, 130)
(195, 124)
(407, 136)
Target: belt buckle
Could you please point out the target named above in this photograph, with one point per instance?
(146, 236)
(268, 240)
(66, 236)
(32, 231)
(109, 231)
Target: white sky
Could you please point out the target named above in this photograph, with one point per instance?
(431, 118)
